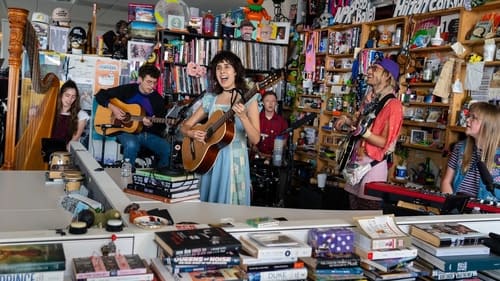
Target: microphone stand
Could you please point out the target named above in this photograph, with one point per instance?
(291, 147)
(181, 116)
(104, 127)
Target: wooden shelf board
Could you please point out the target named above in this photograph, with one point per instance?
(434, 125)
(422, 147)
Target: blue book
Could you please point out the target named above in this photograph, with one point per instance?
(340, 271)
(462, 263)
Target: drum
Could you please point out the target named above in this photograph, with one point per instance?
(60, 158)
(72, 181)
(265, 179)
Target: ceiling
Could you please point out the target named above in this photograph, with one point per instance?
(110, 11)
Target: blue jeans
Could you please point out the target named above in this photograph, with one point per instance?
(132, 144)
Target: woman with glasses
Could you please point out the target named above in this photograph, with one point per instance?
(228, 180)
(152, 103)
(480, 148)
(376, 139)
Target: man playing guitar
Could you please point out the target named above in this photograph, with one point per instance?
(151, 102)
(379, 137)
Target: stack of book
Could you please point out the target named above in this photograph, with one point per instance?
(115, 267)
(166, 188)
(332, 255)
(273, 256)
(191, 252)
(384, 249)
(451, 250)
(32, 262)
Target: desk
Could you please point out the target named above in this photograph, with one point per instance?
(27, 203)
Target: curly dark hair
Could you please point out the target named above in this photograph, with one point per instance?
(235, 61)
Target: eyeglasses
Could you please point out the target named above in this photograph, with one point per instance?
(375, 67)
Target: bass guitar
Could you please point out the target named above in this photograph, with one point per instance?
(199, 157)
(104, 118)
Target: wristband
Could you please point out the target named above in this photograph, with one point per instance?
(367, 134)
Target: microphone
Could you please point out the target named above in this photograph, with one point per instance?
(485, 176)
(299, 123)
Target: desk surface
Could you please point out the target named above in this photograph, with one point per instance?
(27, 203)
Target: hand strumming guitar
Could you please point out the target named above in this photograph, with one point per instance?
(197, 135)
(240, 110)
(118, 113)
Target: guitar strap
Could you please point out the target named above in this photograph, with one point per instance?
(377, 110)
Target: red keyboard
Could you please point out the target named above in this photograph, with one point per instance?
(393, 193)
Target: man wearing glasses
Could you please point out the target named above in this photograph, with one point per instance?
(376, 134)
(152, 103)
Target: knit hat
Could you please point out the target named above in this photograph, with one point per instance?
(390, 66)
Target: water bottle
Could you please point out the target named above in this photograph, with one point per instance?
(126, 168)
(278, 151)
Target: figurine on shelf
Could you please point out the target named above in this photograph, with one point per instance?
(255, 11)
(228, 26)
(373, 37)
(116, 43)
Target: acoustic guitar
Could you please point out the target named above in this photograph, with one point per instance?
(104, 118)
(199, 157)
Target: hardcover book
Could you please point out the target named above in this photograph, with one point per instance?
(479, 249)
(463, 262)
(196, 242)
(165, 273)
(258, 250)
(247, 259)
(133, 277)
(284, 274)
(272, 266)
(381, 243)
(161, 198)
(409, 252)
(160, 176)
(447, 234)
(386, 265)
(221, 259)
(32, 258)
(339, 260)
(106, 266)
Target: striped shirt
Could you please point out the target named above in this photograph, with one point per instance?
(470, 183)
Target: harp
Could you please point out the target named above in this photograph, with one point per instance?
(26, 153)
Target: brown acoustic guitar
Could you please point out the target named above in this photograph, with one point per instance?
(199, 157)
(104, 118)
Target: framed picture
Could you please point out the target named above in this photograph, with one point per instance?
(417, 136)
(175, 22)
(282, 32)
(139, 51)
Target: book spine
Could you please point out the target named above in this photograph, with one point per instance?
(32, 267)
(277, 275)
(386, 254)
(335, 263)
(34, 276)
(340, 270)
(133, 277)
(126, 269)
(275, 266)
(202, 260)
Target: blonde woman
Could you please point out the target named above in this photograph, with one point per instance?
(481, 145)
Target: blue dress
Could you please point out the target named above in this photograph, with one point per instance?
(228, 181)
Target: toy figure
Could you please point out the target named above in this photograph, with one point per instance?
(228, 26)
(255, 11)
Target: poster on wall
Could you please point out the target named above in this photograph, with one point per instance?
(106, 75)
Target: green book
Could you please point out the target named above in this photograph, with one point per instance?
(151, 173)
(32, 258)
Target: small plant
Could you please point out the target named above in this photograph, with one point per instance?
(402, 153)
